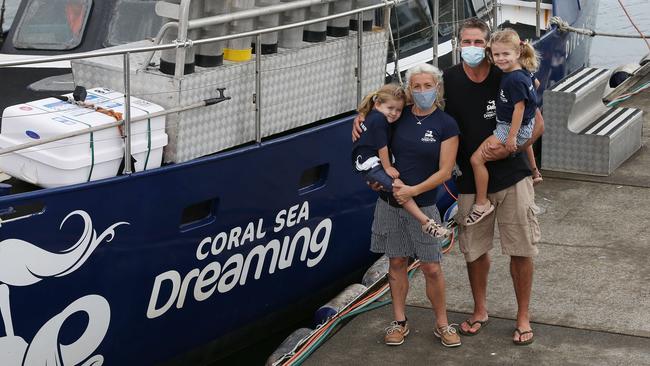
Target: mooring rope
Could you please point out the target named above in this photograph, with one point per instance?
(563, 26)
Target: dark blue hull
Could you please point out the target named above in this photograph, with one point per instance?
(563, 52)
(333, 215)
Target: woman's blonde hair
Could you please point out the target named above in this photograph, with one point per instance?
(382, 95)
(437, 77)
(528, 57)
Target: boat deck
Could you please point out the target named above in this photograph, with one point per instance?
(591, 299)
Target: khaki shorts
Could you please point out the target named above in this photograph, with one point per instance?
(518, 226)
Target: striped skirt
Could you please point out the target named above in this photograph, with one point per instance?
(398, 234)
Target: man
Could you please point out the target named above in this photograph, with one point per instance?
(471, 88)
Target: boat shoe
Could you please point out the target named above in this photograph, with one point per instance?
(395, 334)
(448, 336)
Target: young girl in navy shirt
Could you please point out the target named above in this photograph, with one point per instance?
(370, 155)
(515, 108)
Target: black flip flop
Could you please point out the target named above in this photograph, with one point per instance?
(471, 324)
(520, 342)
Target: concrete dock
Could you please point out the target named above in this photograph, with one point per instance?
(591, 291)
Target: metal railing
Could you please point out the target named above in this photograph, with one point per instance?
(538, 13)
(181, 45)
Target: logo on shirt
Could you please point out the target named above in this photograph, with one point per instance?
(502, 96)
(490, 109)
(428, 137)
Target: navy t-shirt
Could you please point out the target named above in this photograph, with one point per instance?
(416, 148)
(473, 106)
(516, 86)
(375, 134)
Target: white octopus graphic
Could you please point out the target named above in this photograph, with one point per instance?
(24, 264)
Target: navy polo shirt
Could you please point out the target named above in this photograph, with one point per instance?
(516, 86)
(416, 147)
(375, 134)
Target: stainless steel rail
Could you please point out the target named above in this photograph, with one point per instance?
(359, 55)
(436, 26)
(454, 37)
(538, 12)
(184, 24)
(495, 10)
(258, 89)
(77, 56)
(107, 126)
(128, 168)
(254, 33)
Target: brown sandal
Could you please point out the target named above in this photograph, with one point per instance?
(471, 324)
(520, 342)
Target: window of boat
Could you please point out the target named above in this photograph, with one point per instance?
(52, 24)
(133, 20)
(412, 27)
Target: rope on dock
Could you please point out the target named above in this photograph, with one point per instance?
(563, 26)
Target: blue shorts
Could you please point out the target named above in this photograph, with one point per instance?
(378, 175)
(524, 134)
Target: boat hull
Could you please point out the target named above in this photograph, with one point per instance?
(148, 273)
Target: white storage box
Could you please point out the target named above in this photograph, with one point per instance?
(81, 158)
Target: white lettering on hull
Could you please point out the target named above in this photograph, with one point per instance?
(171, 287)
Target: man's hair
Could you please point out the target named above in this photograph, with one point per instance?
(475, 23)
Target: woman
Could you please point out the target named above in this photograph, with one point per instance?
(424, 144)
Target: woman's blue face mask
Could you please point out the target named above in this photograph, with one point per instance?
(472, 55)
(424, 99)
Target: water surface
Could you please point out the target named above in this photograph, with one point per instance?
(610, 52)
